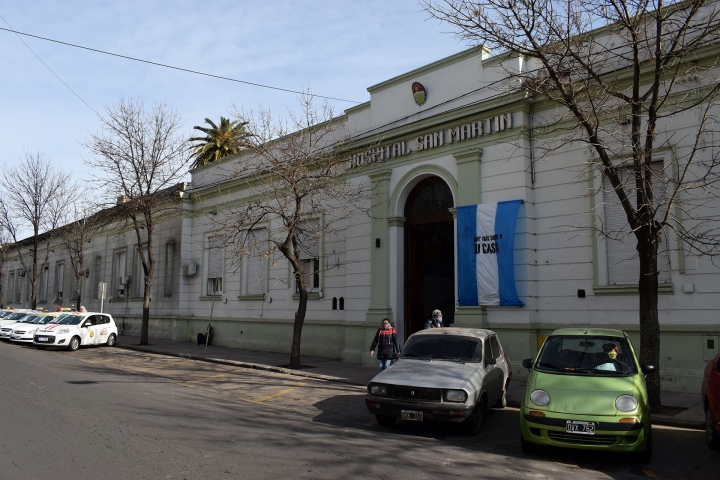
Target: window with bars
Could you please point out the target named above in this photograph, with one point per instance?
(623, 265)
(11, 288)
(44, 280)
(256, 271)
(214, 272)
(119, 262)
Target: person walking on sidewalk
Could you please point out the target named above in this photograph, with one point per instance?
(435, 321)
(387, 345)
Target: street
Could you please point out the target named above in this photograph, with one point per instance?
(115, 413)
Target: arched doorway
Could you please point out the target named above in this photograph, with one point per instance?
(429, 254)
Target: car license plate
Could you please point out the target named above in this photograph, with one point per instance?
(42, 339)
(411, 415)
(583, 428)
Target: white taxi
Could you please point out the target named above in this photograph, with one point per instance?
(23, 319)
(77, 329)
(24, 332)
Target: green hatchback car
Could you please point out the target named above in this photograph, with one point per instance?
(587, 391)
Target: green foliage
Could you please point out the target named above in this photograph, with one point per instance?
(227, 139)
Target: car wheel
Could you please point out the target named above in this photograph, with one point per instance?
(711, 434)
(645, 456)
(527, 447)
(40, 347)
(473, 423)
(110, 341)
(385, 420)
(74, 344)
(502, 401)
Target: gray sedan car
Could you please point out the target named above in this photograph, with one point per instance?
(444, 374)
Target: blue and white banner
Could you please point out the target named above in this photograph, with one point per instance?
(486, 239)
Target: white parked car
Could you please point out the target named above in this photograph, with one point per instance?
(77, 329)
(445, 374)
(24, 332)
(13, 317)
(23, 319)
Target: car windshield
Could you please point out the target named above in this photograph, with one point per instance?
(71, 320)
(587, 355)
(44, 320)
(58, 318)
(27, 319)
(444, 347)
(16, 316)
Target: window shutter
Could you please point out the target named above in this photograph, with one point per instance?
(257, 245)
(622, 260)
(215, 257)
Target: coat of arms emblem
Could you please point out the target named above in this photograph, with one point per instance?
(419, 93)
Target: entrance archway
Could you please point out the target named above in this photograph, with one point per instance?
(429, 254)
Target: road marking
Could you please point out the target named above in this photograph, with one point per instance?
(283, 392)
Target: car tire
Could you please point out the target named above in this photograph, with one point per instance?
(502, 401)
(712, 437)
(645, 456)
(385, 420)
(40, 347)
(74, 344)
(527, 447)
(473, 424)
(110, 341)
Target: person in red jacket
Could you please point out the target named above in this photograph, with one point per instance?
(387, 345)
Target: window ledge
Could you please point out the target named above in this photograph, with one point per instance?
(210, 297)
(629, 289)
(311, 296)
(258, 296)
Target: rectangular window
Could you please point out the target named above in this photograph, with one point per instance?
(623, 265)
(10, 288)
(256, 272)
(97, 276)
(169, 268)
(44, 280)
(138, 275)
(214, 264)
(119, 280)
(308, 241)
(59, 280)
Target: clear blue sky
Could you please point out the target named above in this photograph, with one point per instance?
(337, 47)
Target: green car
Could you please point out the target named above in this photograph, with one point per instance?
(587, 391)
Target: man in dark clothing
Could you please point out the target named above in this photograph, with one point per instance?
(435, 321)
(387, 345)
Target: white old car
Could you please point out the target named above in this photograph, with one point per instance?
(444, 374)
(77, 329)
(24, 332)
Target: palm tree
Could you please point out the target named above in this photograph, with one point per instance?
(218, 142)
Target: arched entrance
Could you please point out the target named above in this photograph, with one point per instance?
(429, 254)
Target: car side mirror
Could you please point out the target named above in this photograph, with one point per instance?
(490, 361)
(647, 368)
(527, 363)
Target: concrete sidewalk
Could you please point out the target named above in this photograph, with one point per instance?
(682, 409)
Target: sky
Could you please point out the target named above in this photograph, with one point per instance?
(337, 48)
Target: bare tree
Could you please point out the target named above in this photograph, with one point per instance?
(81, 222)
(35, 194)
(139, 156)
(622, 72)
(296, 195)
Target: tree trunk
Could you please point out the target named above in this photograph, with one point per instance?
(297, 328)
(144, 329)
(649, 323)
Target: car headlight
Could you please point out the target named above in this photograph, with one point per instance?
(455, 396)
(376, 389)
(540, 397)
(64, 330)
(626, 403)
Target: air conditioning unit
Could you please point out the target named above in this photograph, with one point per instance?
(190, 270)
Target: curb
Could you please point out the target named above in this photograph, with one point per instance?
(675, 422)
(236, 363)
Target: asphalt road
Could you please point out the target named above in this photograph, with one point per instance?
(114, 413)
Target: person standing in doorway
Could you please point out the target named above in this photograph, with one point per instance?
(387, 345)
(435, 321)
